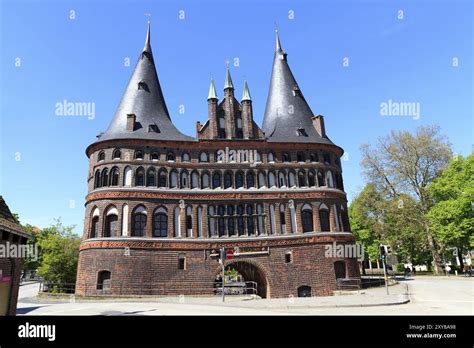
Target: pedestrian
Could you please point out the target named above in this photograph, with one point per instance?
(448, 269)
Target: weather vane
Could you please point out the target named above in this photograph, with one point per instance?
(149, 16)
(227, 62)
(276, 27)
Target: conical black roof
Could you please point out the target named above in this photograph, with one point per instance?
(144, 98)
(288, 117)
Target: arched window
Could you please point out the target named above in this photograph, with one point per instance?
(111, 223)
(340, 269)
(160, 223)
(184, 179)
(314, 157)
(261, 179)
(301, 179)
(216, 180)
(239, 180)
(339, 184)
(227, 180)
(203, 157)
(103, 280)
(194, 179)
(307, 218)
(345, 220)
(101, 156)
(127, 176)
(205, 180)
(271, 157)
(238, 127)
(162, 178)
(300, 156)
(221, 127)
(189, 222)
(281, 179)
(151, 177)
(324, 218)
(330, 179)
(258, 157)
(282, 219)
(138, 155)
(117, 154)
(105, 177)
(250, 222)
(173, 179)
(321, 179)
(140, 177)
(220, 220)
(97, 179)
(114, 177)
(240, 220)
(291, 179)
(271, 179)
(250, 179)
(139, 222)
(170, 157)
(311, 179)
(230, 220)
(185, 157)
(155, 156)
(327, 158)
(285, 157)
(94, 227)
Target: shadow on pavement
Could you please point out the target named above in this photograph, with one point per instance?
(26, 310)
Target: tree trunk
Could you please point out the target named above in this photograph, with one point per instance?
(461, 263)
(437, 264)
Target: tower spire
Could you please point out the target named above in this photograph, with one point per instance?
(147, 47)
(246, 95)
(212, 91)
(278, 44)
(228, 79)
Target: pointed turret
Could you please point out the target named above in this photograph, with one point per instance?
(246, 93)
(288, 117)
(228, 80)
(212, 91)
(142, 111)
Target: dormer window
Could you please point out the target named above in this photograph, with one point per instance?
(301, 132)
(143, 85)
(153, 128)
(296, 91)
(155, 156)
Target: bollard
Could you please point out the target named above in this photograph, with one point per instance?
(456, 273)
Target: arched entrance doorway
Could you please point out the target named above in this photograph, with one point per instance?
(251, 272)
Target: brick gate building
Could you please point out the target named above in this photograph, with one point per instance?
(160, 203)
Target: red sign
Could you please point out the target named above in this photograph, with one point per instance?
(229, 254)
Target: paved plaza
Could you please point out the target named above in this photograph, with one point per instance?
(420, 296)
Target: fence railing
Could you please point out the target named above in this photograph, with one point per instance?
(160, 289)
(57, 288)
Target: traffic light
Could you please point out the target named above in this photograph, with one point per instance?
(388, 249)
(383, 250)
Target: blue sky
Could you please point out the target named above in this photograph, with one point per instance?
(47, 57)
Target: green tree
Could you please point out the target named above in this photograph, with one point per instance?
(405, 163)
(59, 249)
(377, 219)
(452, 217)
